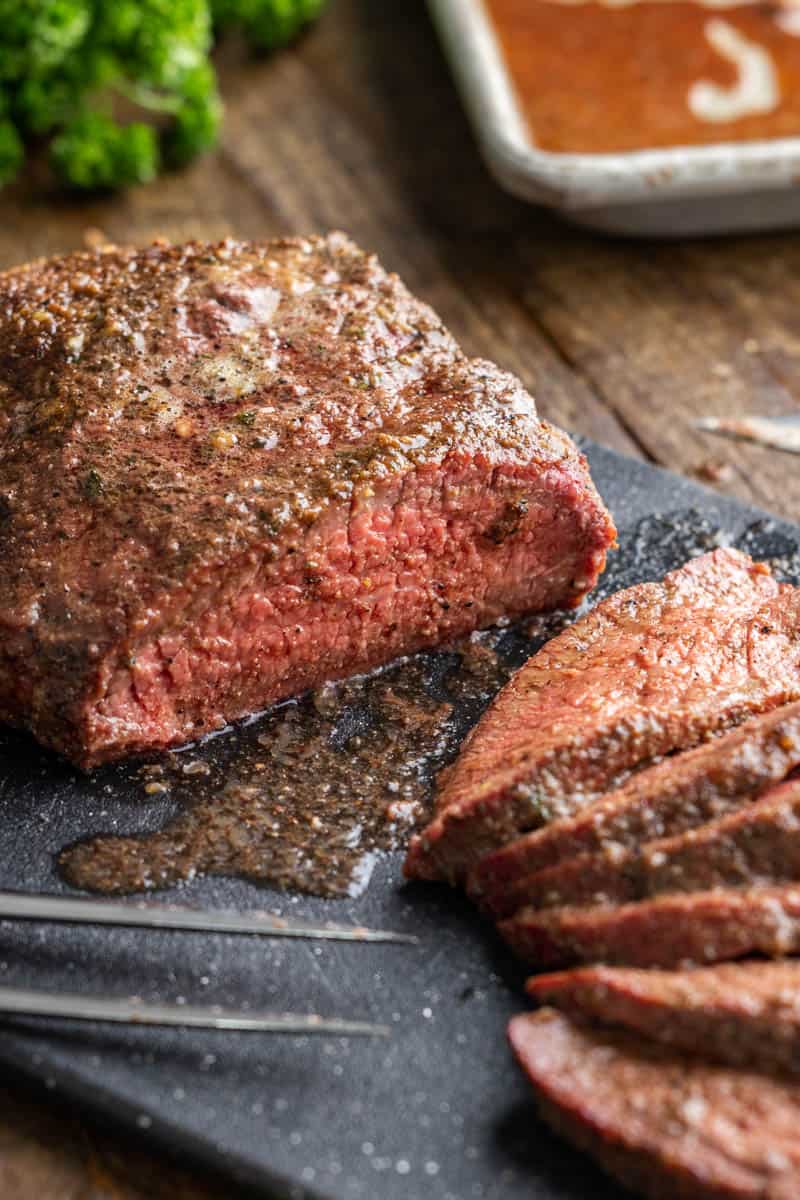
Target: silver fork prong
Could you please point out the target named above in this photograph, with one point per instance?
(72, 1006)
(26, 907)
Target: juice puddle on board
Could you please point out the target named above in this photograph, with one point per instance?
(307, 796)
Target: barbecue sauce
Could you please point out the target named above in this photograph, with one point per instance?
(625, 75)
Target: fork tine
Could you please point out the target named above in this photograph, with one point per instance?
(28, 1002)
(27, 907)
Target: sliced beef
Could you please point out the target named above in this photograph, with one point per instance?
(667, 931)
(755, 847)
(743, 1014)
(676, 794)
(231, 472)
(655, 668)
(670, 1126)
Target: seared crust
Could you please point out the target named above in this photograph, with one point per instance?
(667, 931)
(671, 1127)
(675, 795)
(742, 1014)
(756, 847)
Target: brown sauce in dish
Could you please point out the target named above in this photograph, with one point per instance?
(306, 797)
(595, 77)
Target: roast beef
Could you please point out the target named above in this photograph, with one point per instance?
(230, 472)
(667, 931)
(670, 1126)
(757, 846)
(743, 1014)
(677, 794)
(655, 668)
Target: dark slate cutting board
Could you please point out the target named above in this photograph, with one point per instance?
(439, 1110)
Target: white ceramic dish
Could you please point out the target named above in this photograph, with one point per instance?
(733, 186)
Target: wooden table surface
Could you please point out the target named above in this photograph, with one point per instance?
(359, 128)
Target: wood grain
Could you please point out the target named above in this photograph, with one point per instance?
(359, 127)
(48, 1153)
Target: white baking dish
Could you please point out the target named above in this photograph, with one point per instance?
(689, 189)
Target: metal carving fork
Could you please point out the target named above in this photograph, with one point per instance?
(27, 1002)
